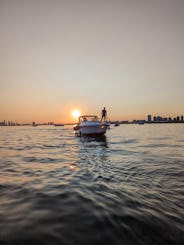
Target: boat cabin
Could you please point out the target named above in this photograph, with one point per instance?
(88, 118)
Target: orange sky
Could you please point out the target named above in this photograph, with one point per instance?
(57, 56)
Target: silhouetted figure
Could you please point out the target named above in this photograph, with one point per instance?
(104, 114)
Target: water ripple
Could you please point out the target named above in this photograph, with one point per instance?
(125, 188)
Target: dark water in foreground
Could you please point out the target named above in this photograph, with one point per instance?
(125, 188)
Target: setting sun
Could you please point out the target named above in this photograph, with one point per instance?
(76, 113)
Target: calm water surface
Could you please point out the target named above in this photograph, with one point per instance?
(125, 188)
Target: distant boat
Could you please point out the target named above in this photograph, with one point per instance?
(34, 124)
(58, 124)
(90, 125)
(116, 124)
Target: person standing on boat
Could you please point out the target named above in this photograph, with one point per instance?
(104, 114)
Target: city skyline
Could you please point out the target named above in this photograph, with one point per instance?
(57, 56)
(149, 119)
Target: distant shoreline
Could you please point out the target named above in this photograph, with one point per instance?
(111, 122)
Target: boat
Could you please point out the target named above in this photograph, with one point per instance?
(116, 124)
(34, 124)
(90, 125)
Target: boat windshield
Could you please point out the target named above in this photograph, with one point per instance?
(88, 118)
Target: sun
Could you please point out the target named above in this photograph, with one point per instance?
(76, 113)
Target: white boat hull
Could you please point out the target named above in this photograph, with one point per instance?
(90, 127)
(97, 129)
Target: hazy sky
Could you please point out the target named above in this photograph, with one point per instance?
(58, 55)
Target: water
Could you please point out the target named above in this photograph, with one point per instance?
(125, 188)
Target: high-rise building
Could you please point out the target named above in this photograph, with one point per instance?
(149, 118)
(159, 118)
